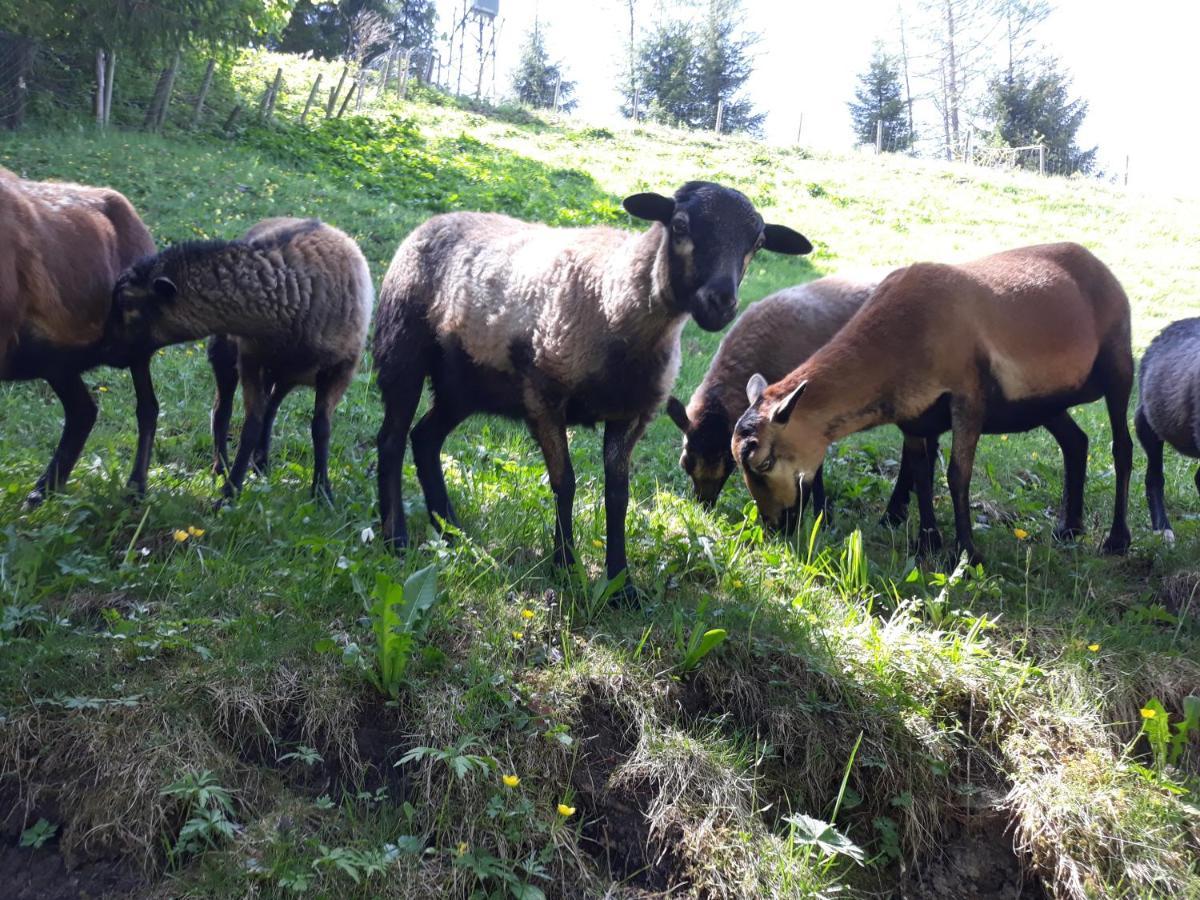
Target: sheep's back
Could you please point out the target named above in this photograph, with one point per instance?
(318, 278)
(498, 287)
(1169, 385)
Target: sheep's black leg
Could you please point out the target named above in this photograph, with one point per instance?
(1074, 444)
(821, 505)
(929, 539)
(896, 512)
(551, 435)
(255, 401)
(331, 385)
(79, 415)
(619, 441)
(1153, 445)
(400, 399)
(427, 439)
(147, 419)
(967, 425)
(222, 356)
(261, 459)
(1116, 398)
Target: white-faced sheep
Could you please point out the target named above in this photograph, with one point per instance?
(1169, 409)
(62, 247)
(1003, 344)
(555, 327)
(293, 295)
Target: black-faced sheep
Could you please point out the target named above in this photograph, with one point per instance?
(294, 296)
(1169, 409)
(556, 327)
(1006, 343)
(62, 247)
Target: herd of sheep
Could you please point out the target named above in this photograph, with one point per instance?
(568, 326)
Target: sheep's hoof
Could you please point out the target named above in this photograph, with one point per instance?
(396, 544)
(929, 543)
(1068, 534)
(628, 597)
(974, 557)
(35, 498)
(1116, 544)
(894, 518)
(322, 492)
(137, 489)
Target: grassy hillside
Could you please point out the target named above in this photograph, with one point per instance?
(190, 696)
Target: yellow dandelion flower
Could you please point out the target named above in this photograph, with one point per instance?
(181, 536)
(510, 781)
(1148, 713)
(102, 389)
(195, 532)
(1004, 437)
(597, 543)
(1033, 455)
(1020, 533)
(527, 614)
(517, 635)
(738, 584)
(566, 811)
(462, 847)
(1093, 647)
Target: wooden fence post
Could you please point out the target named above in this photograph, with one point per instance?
(198, 109)
(1042, 159)
(233, 114)
(312, 96)
(878, 136)
(346, 99)
(720, 116)
(336, 92)
(100, 90)
(109, 78)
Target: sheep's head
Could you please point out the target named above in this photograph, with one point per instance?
(778, 455)
(705, 456)
(147, 299)
(713, 233)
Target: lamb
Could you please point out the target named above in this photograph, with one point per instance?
(772, 336)
(1168, 390)
(62, 247)
(294, 296)
(556, 327)
(1003, 344)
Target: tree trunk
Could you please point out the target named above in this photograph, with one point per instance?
(198, 109)
(907, 83)
(953, 88)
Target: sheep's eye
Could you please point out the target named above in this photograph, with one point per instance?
(679, 227)
(766, 465)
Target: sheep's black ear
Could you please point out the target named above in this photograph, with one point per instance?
(164, 288)
(678, 413)
(783, 409)
(755, 387)
(781, 239)
(651, 207)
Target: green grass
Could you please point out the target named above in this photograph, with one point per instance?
(130, 661)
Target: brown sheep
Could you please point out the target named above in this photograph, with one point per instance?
(1003, 344)
(62, 247)
(555, 326)
(293, 296)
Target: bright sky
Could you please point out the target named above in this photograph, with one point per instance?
(1132, 62)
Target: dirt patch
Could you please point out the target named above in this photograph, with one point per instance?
(616, 830)
(977, 863)
(43, 875)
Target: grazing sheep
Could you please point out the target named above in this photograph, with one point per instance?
(1003, 344)
(772, 336)
(62, 247)
(556, 327)
(1167, 410)
(293, 297)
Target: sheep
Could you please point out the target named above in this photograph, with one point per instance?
(1168, 385)
(293, 296)
(1003, 344)
(556, 327)
(772, 336)
(62, 247)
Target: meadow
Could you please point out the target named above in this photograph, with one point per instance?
(261, 701)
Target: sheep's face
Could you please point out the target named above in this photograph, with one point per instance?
(141, 297)
(778, 456)
(705, 456)
(712, 234)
